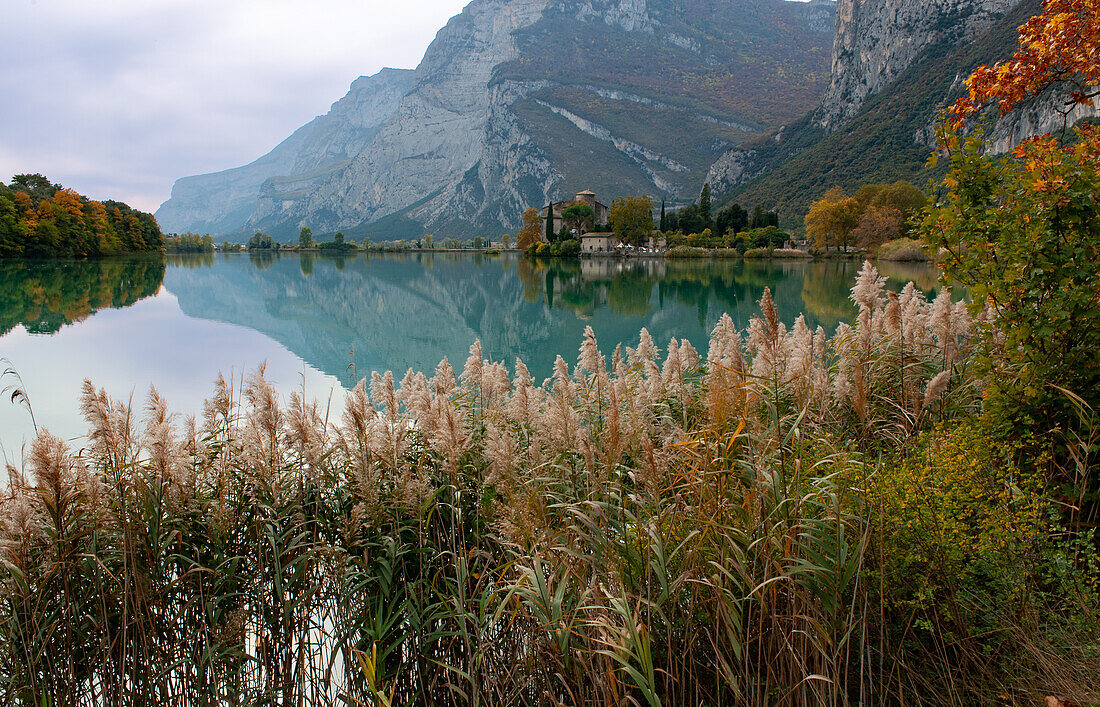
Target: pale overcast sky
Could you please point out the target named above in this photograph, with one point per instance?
(118, 98)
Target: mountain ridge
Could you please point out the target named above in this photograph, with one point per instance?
(515, 102)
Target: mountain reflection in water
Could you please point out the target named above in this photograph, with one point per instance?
(348, 315)
(320, 322)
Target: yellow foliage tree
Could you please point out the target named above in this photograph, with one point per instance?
(832, 219)
(532, 229)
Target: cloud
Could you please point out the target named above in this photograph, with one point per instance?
(119, 99)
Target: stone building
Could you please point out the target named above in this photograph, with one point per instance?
(601, 211)
(599, 243)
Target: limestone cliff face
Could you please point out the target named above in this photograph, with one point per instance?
(439, 132)
(517, 102)
(225, 201)
(876, 40)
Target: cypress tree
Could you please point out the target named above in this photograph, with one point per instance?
(550, 223)
(704, 206)
(664, 220)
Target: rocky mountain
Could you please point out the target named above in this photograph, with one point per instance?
(517, 102)
(223, 202)
(896, 63)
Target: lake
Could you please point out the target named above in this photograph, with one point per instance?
(320, 321)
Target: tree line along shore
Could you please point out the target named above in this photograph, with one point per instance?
(39, 219)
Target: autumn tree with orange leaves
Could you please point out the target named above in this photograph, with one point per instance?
(43, 220)
(1023, 230)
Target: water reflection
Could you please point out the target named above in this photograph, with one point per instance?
(348, 314)
(45, 295)
(322, 320)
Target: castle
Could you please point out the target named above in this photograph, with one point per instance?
(601, 211)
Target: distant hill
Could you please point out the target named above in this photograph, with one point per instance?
(520, 102)
(39, 219)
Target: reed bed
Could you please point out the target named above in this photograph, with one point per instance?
(654, 526)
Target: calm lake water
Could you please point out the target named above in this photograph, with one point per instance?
(318, 322)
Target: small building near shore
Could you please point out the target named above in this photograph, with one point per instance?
(598, 243)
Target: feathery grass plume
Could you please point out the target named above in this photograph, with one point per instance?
(110, 426)
(799, 370)
(643, 364)
(939, 323)
(725, 379)
(936, 387)
(503, 454)
(560, 425)
(612, 441)
(51, 466)
(415, 394)
(689, 357)
(496, 388)
(359, 417)
(450, 435)
(263, 423)
(892, 317)
(167, 456)
(770, 314)
(306, 431)
(767, 343)
(525, 404)
(444, 382)
(961, 325)
(217, 410)
(913, 317)
(389, 438)
(354, 443)
(672, 375)
(869, 288)
(867, 293)
(590, 363)
(20, 529)
(471, 371)
(820, 376)
(841, 344)
(646, 351)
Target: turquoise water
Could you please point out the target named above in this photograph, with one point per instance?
(319, 322)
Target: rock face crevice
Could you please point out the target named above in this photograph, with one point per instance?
(517, 102)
